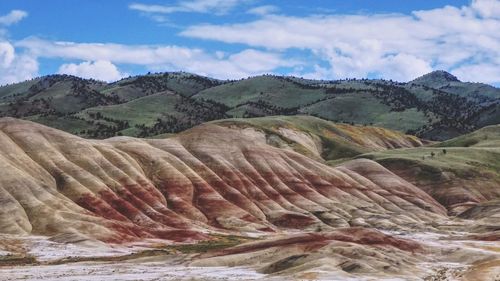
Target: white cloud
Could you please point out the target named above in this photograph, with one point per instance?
(393, 46)
(487, 8)
(263, 10)
(463, 40)
(194, 6)
(6, 54)
(15, 67)
(116, 53)
(243, 64)
(100, 70)
(162, 58)
(153, 8)
(482, 72)
(13, 17)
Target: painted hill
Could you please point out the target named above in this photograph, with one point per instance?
(257, 193)
(435, 106)
(209, 177)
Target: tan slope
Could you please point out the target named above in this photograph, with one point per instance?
(209, 177)
(343, 254)
(322, 139)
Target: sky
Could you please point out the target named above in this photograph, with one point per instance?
(232, 39)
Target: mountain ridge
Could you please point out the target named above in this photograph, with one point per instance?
(172, 102)
(437, 75)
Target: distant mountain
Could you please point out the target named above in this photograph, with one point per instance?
(435, 79)
(435, 106)
(446, 82)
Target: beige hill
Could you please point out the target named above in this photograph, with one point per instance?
(287, 180)
(210, 177)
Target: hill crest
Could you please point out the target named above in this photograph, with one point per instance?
(161, 103)
(437, 76)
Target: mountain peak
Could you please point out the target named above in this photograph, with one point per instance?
(437, 76)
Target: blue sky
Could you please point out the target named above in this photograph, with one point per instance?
(323, 39)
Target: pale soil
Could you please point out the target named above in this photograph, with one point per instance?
(207, 179)
(45, 250)
(445, 261)
(145, 271)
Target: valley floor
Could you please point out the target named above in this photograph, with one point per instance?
(445, 259)
(146, 271)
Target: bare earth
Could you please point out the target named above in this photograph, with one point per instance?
(227, 203)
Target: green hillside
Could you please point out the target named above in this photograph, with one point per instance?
(274, 90)
(477, 152)
(460, 172)
(435, 106)
(485, 137)
(185, 84)
(164, 112)
(444, 81)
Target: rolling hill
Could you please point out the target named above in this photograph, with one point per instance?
(435, 106)
(459, 173)
(291, 197)
(210, 176)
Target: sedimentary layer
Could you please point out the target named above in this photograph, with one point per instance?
(210, 177)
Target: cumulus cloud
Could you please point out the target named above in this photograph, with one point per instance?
(116, 53)
(463, 40)
(13, 17)
(6, 54)
(193, 6)
(15, 67)
(482, 72)
(162, 58)
(394, 46)
(243, 64)
(487, 8)
(100, 70)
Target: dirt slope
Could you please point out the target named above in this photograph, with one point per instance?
(207, 178)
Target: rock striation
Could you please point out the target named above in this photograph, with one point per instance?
(208, 178)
